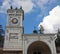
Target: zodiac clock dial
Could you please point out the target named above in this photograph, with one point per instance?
(14, 20)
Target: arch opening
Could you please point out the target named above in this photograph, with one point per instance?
(38, 47)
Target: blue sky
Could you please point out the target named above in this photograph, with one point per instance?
(37, 12)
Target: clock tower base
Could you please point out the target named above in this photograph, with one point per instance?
(13, 39)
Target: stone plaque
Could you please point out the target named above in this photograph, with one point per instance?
(13, 36)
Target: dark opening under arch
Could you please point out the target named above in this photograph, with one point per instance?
(38, 47)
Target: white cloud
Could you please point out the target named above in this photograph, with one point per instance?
(44, 5)
(26, 4)
(52, 22)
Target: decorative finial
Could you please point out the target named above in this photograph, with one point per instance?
(11, 7)
(16, 8)
(21, 7)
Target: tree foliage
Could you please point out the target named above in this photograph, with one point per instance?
(58, 39)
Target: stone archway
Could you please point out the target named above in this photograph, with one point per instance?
(38, 47)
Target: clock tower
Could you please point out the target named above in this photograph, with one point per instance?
(14, 29)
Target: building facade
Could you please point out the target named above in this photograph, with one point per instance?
(16, 42)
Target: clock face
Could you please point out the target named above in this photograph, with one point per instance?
(14, 20)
